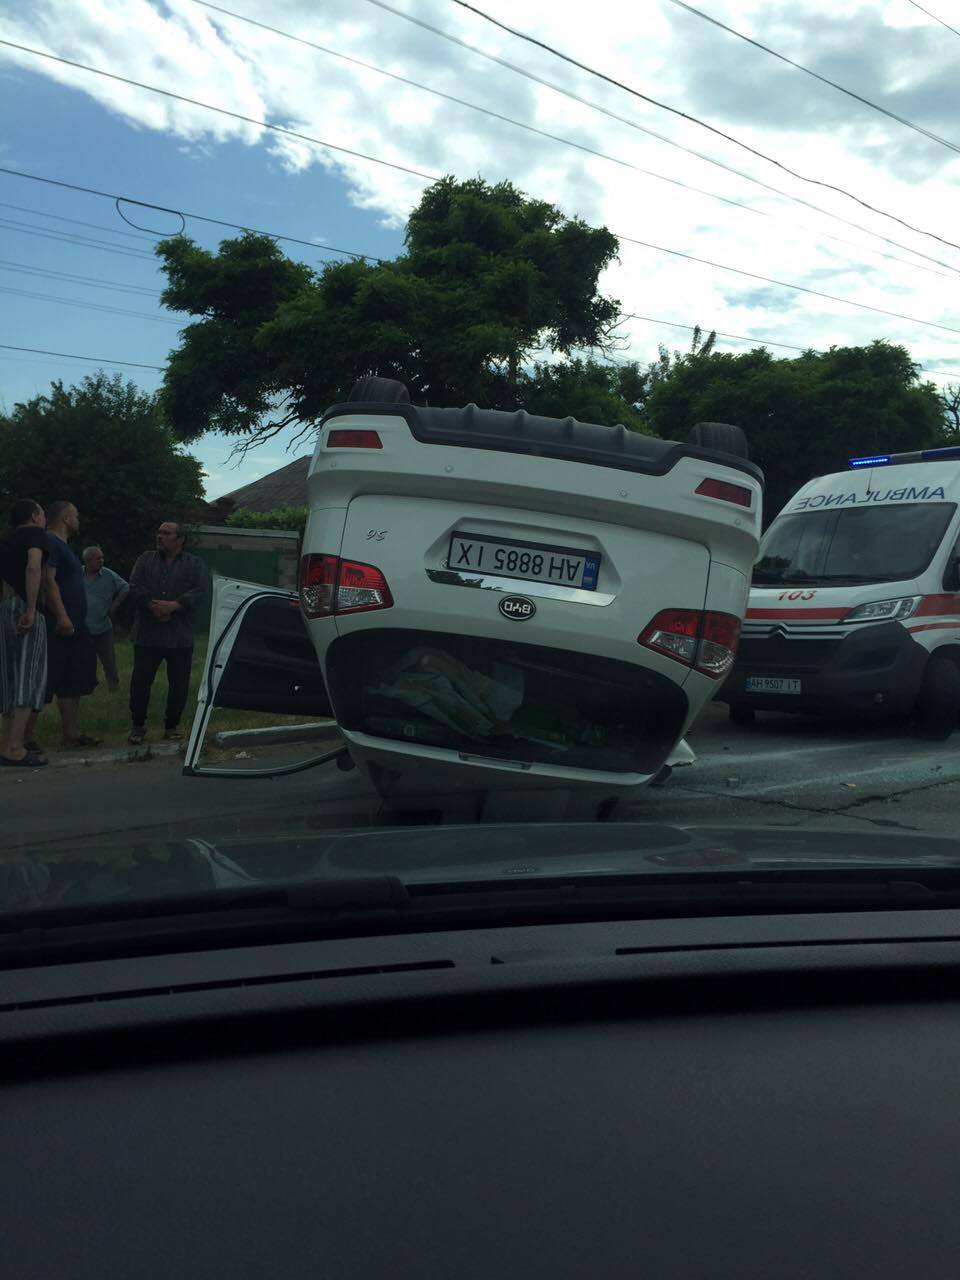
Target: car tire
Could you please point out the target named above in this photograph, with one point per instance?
(938, 703)
(740, 714)
(379, 391)
(722, 436)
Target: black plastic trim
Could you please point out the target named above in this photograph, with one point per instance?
(565, 439)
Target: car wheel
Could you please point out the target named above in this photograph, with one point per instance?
(938, 704)
(722, 436)
(379, 390)
(739, 714)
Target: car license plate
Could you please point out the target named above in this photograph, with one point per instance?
(771, 684)
(529, 560)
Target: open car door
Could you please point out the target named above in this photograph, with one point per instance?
(262, 706)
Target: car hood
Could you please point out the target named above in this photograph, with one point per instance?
(451, 855)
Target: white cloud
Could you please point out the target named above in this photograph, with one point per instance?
(887, 52)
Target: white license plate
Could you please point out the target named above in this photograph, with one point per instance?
(527, 560)
(771, 684)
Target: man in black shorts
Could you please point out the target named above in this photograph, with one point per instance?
(71, 657)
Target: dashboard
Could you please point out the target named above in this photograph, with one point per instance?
(770, 1096)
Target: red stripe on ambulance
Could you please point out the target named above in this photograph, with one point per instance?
(801, 614)
(940, 604)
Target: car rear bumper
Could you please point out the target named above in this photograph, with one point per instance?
(873, 670)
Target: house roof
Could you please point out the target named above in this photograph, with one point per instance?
(284, 488)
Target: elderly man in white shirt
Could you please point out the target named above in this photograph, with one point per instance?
(106, 592)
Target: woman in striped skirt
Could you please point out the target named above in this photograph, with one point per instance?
(23, 634)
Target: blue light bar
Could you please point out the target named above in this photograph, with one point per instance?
(880, 460)
(918, 455)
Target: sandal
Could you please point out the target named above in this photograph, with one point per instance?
(82, 740)
(30, 761)
(136, 737)
(33, 748)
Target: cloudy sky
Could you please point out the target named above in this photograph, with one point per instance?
(75, 278)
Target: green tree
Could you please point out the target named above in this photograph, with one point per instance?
(586, 389)
(487, 280)
(950, 407)
(102, 445)
(805, 416)
(279, 518)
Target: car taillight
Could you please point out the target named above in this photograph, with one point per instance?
(361, 586)
(329, 585)
(706, 641)
(318, 580)
(674, 632)
(340, 438)
(718, 643)
(726, 492)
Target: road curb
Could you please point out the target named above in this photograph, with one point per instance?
(112, 755)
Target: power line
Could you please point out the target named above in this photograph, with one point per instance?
(734, 337)
(91, 306)
(619, 84)
(198, 217)
(542, 133)
(763, 342)
(94, 282)
(433, 177)
(223, 111)
(628, 239)
(736, 270)
(752, 275)
(892, 115)
(69, 355)
(73, 238)
(934, 17)
(652, 133)
(96, 226)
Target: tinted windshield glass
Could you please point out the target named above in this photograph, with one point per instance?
(365, 466)
(869, 544)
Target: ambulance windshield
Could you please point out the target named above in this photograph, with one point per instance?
(877, 543)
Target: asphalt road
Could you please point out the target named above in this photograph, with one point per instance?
(785, 771)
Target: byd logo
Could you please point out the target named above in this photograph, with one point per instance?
(519, 608)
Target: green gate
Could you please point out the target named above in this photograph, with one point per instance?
(245, 566)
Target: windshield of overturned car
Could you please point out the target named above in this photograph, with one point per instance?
(405, 430)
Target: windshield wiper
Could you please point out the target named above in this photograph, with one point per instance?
(826, 580)
(842, 579)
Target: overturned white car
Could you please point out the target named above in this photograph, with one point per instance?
(496, 603)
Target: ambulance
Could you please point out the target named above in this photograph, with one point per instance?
(497, 606)
(855, 598)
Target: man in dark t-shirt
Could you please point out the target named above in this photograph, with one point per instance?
(71, 657)
(23, 635)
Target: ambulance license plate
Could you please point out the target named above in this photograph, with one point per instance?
(771, 684)
(529, 560)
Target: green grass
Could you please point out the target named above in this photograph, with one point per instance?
(106, 715)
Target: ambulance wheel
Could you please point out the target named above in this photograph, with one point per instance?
(722, 436)
(742, 715)
(938, 704)
(380, 390)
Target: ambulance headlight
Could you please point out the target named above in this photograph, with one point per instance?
(885, 610)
